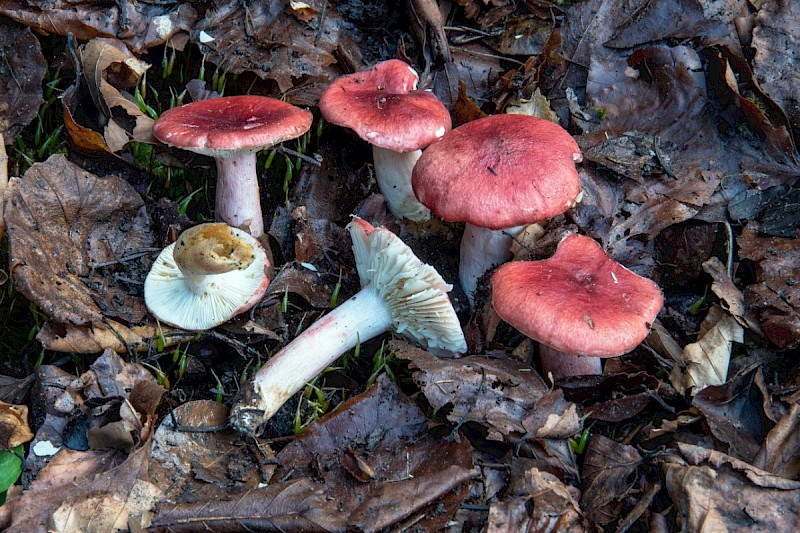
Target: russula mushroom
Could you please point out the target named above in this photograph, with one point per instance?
(498, 174)
(398, 292)
(210, 274)
(383, 106)
(232, 129)
(580, 305)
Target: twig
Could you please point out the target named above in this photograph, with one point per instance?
(239, 346)
(289, 151)
(321, 22)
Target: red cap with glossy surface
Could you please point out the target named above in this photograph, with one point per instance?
(231, 124)
(500, 171)
(383, 106)
(578, 301)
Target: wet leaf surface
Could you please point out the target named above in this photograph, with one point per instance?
(21, 74)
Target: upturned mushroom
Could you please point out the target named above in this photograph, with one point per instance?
(385, 108)
(498, 174)
(580, 305)
(398, 292)
(212, 273)
(232, 130)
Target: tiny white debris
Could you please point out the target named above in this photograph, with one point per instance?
(163, 25)
(615, 277)
(309, 266)
(45, 448)
(204, 37)
(297, 6)
(439, 132)
(372, 134)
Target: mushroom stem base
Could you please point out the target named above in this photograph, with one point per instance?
(360, 318)
(393, 174)
(565, 365)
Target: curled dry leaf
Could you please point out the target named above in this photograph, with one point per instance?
(555, 506)
(14, 429)
(496, 392)
(607, 472)
(705, 362)
(724, 288)
(61, 221)
(780, 451)
(715, 492)
(110, 336)
(21, 74)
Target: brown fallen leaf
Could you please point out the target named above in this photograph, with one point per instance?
(555, 505)
(3, 186)
(715, 492)
(607, 471)
(417, 474)
(775, 298)
(780, 452)
(21, 74)
(140, 26)
(494, 391)
(14, 428)
(63, 220)
(110, 336)
(706, 361)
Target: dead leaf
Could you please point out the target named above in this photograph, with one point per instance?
(508, 515)
(536, 106)
(14, 428)
(553, 418)
(555, 506)
(494, 391)
(62, 220)
(21, 75)
(715, 492)
(465, 109)
(735, 413)
(780, 451)
(111, 336)
(705, 362)
(415, 471)
(607, 470)
(140, 26)
(775, 298)
(3, 186)
(724, 288)
(295, 505)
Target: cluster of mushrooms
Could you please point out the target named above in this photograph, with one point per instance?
(497, 175)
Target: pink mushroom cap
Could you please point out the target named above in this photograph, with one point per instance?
(500, 171)
(383, 106)
(220, 127)
(578, 301)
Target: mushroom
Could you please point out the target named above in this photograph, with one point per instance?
(498, 174)
(210, 274)
(232, 130)
(398, 291)
(580, 305)
(383, 106)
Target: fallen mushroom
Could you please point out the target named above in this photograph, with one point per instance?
(385, 108)
(398, 291)
(580, 305)
(232, 130)
(497, 174)
(210, 274)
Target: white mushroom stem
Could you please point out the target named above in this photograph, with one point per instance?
(399, 291)
(482, 249)
(393, 174)
(566, 365)
(360, 318)
(238, 201)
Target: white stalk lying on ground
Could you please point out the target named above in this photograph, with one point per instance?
(399, 292)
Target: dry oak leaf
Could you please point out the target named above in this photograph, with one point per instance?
(21, 74)
(14, 429)
(62, 219)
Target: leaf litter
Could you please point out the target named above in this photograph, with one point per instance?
(688, 132)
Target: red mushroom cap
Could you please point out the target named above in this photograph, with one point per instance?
(383, 106)
(231, 124)
(578, 301)
(499, 171)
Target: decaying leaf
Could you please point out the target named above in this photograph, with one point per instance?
(139, 25)
(715, 492)
(724, 288)
(3, 186)
(607, 470)
(495, 392)
(14, 428)
(555, 506)
(63, 220)
(415, 472)
(110, 336)
(705, 362)
(21, 74)
(775, 298)
(780, 451)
